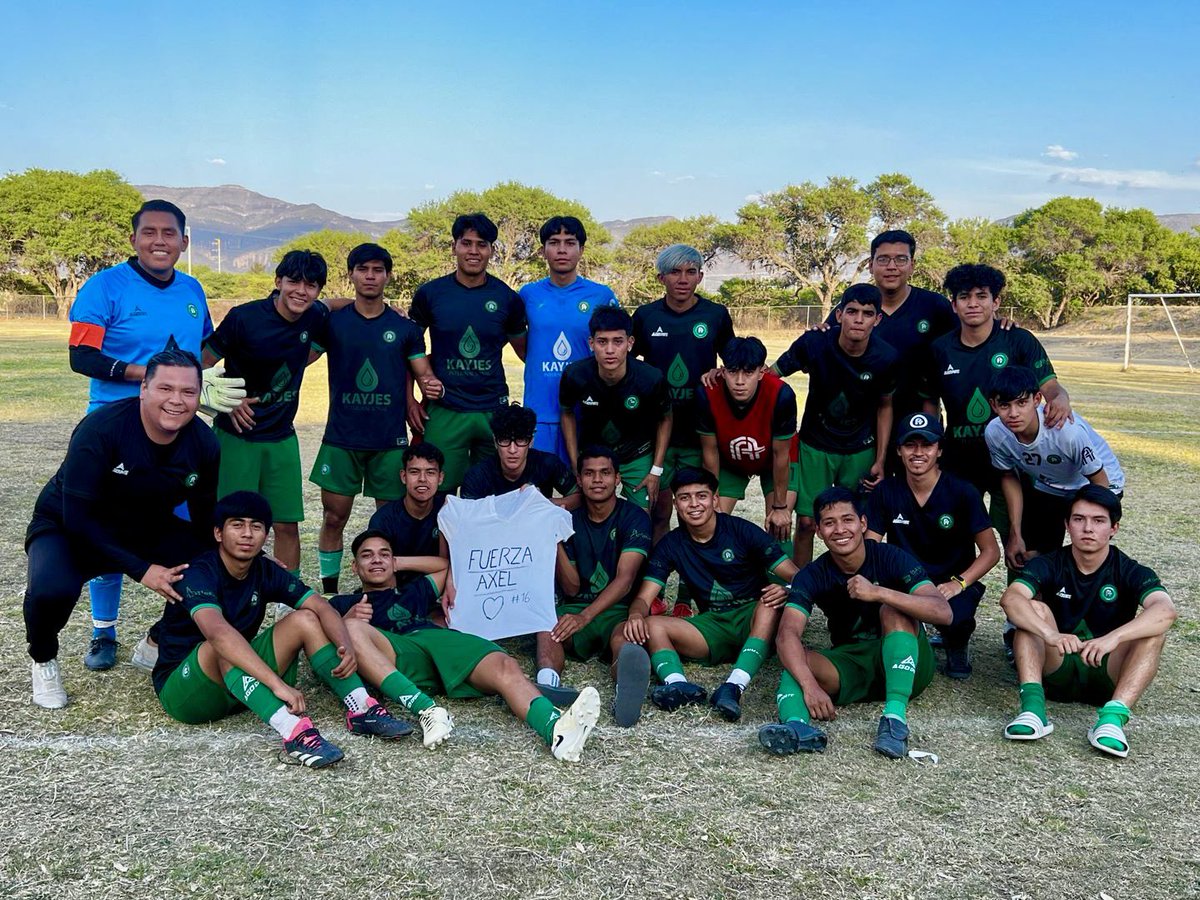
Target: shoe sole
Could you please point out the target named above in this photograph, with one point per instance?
(50, 704)
(778, 740)
(560, 696)
(297, 760)
(633, 680)
(394, 736)
(586, 713)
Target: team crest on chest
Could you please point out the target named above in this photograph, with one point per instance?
(1108, 593)
(700, 330)
(491, 306)
(923, 326)
(727, 555)
(389, 336)
(631, 402)
(945, 520)
(999, 360)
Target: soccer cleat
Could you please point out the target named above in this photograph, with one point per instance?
(1009, 633)
(891, 738)
(935, 637)
(48, 691)
(378, 722)
(682, 610)
(669, 697)
(558, 694)
(309, 749)
(436, 726)
(658, 607)
(958, 663)
(727, 700)
(573, 727)
(633, 679)
(792, 737)
(145, 655)
(102, 655)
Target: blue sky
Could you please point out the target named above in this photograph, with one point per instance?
(633, 109)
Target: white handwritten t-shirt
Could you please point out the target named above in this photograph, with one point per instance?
(502, 555)
(1059, 460)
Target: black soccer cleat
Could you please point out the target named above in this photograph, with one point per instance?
(669, 697)
(792, 737)
(309, 749)
(891, 738)
(102, 655)
(633, 678)
(958, 663)
(378, 722)
(727, 700)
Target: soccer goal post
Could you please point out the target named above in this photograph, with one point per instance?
(1132, 299)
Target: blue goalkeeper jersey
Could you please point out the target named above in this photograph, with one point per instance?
(558, 335)
(130, 316)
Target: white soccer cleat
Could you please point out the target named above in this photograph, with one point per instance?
(574, 727)
(436, 726)
(145, 655)
(48, 691)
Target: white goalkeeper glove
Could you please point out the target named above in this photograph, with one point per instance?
(219, 394)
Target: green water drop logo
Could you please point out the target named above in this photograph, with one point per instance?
(600, 579)
(367, 378)
(719, 596)
(840, 406)
(281, 379)
(978, 410)
(677, 374)
(469, 346)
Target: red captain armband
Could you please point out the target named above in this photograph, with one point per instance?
(85, 334)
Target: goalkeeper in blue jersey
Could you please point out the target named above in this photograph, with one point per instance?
(122, 317)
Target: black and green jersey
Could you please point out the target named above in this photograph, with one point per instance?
(468, 328)
(623, 416)
(923, 317)
(822, 584)
(368, 369)
(960, 376)
(596, 547)
(408, 535)
(401, 609)
(545, 471)
(260, 345)
(728, 570)
(941, 534)
(242, 601)
(683, 346)
(1089, 605)
(844, 391)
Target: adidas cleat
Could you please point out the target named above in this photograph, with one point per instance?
(378, 722)
(309, 749)
(669, 697)
(891, 738)
(727, 700)
(573, 727)
(436, 726)
(792, 737)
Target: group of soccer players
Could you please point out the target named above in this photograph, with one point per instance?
(628, 420)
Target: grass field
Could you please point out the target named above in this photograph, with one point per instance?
(109, 798)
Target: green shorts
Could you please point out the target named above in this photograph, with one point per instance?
(272, 468)
(733, 484)
(632, 474)
(191, 697)
(375, 473)
(1077, 682)
(860, 669)
(440, 660)
(725, 631)
(593, 639)
(680, 458)
(820, 470)
(464, 437)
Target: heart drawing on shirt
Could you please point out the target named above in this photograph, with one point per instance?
(492, 607)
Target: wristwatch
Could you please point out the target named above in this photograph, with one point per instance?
(962, 582)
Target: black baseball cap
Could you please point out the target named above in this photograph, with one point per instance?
(920, 425)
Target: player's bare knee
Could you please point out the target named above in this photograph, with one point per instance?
(891, 619)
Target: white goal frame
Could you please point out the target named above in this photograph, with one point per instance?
(1162, 298)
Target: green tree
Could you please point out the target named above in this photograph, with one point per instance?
(963, 241)
(234, 285)
(60, 228)
(756, 292)
(334, 247)
(519, 212)
(630, 271)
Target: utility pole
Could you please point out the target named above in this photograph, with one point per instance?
(187, 233)
(217, 248)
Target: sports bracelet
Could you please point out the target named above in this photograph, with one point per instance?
(656, 470)
(962, 582)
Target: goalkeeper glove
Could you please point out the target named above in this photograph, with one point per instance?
(219, 394)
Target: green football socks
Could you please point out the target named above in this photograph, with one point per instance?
(541, 718)
(667, 666)
(899, 671)
(1033, 699)
(1114, 712)
(790, 700)
(399, 688)
(350, 689)
(256, 696)
(749, 661)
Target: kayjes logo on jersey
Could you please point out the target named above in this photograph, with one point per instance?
(468, 345)
(119, 469)
(660, 332)
(1108, 593)
(562, 347)
(745, 447)
(700, 330)
(945, 521)
(469, 348)
(589, 401)
(978, 410)
(677, 373)
(367, 381)
(279, 384)
(900, 520)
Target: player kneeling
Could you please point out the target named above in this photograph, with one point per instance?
(875, 597)
(409, 657)
(212, 661)
(1079, 634)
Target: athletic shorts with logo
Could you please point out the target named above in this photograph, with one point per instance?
(860, 669)
(374, 473)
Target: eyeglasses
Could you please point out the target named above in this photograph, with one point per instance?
(901, 260)
(508, 442)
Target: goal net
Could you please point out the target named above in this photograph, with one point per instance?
(1162, 329)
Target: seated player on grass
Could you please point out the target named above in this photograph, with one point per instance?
(726, 562)
(1080, 636)
(410, 523)
(516, 464)
(875, 598)
(1041, 467)
(213, 661)
(409, 657)
(940, 519)
(596, 581)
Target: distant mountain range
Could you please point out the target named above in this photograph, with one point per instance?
(251, 226)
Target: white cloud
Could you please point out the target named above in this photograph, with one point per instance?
(1058, 151)
(678, 178)
(217, 161)
(1121, 179)
(430, 187)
